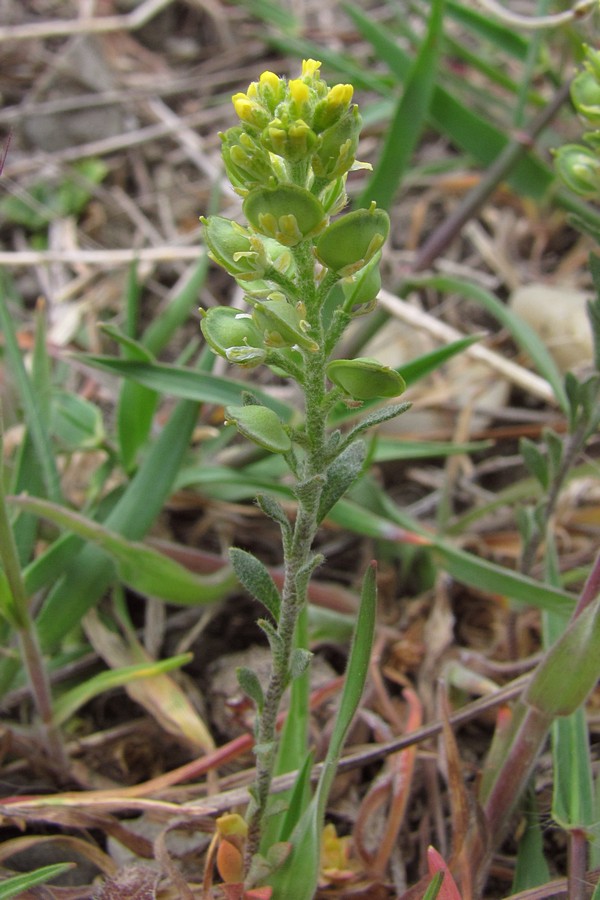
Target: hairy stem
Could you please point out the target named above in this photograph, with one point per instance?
(297, 556)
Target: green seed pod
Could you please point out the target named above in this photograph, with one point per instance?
(337, 148)
(362, 289)
(365, 379)
(233, 335)
(238, 250)
(579, 168)
(287, 213)
(282, 325)
(350, 242)
(585, 94)
(260, 425)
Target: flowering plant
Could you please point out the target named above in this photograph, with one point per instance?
(306, 272)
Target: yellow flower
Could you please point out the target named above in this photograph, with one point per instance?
(340, 95)
(270, 79)
(250, 110)
(299, 90)
(310, 68)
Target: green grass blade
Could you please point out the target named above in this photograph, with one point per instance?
(18, 884)
(487, 576)
(33, 405)
(434, 887)
(136, 405)
(141, 568)
(572, 791)
(531, 869)
(493, 30)
(409, 117)
(391, 448)
(354, 682)
(68, 704)
(297, 879)
(186, 383)
(522, 333)
(463, 566)
(91, 572)
(273, 13)
(299, 799)
(177, 312)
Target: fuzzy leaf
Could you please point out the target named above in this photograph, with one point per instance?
(299, 662)
(275, 642)
(384, 414)
(255, 577)
(275, 511)
(249, 683)
(535, 461)
(341, 475)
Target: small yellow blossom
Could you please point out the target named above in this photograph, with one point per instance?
(340, 94)
(310, 67)
(270, 79)
(243, 106)
(299, 90)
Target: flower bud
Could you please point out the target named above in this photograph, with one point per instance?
(329, 110)
(294, 141)
(350, 242)
(249, 110)
(247, 163)
(287, 213)
(299, 102)
(237, 249)
(365, 379)
(310, 68)
(579, 168)
(270, 90)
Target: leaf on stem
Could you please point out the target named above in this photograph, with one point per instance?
(341, 474)
(255, 577)
(251, 686)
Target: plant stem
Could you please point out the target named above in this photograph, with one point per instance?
(297, 556)
(20, 617)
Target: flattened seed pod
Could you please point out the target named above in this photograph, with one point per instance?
(365, 379)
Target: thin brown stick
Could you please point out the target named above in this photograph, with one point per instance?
(85, 25)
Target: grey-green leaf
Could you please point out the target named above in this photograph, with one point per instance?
(341, 474)
(535, 461)
(249, 683)
(299, 662)
(255, 577)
